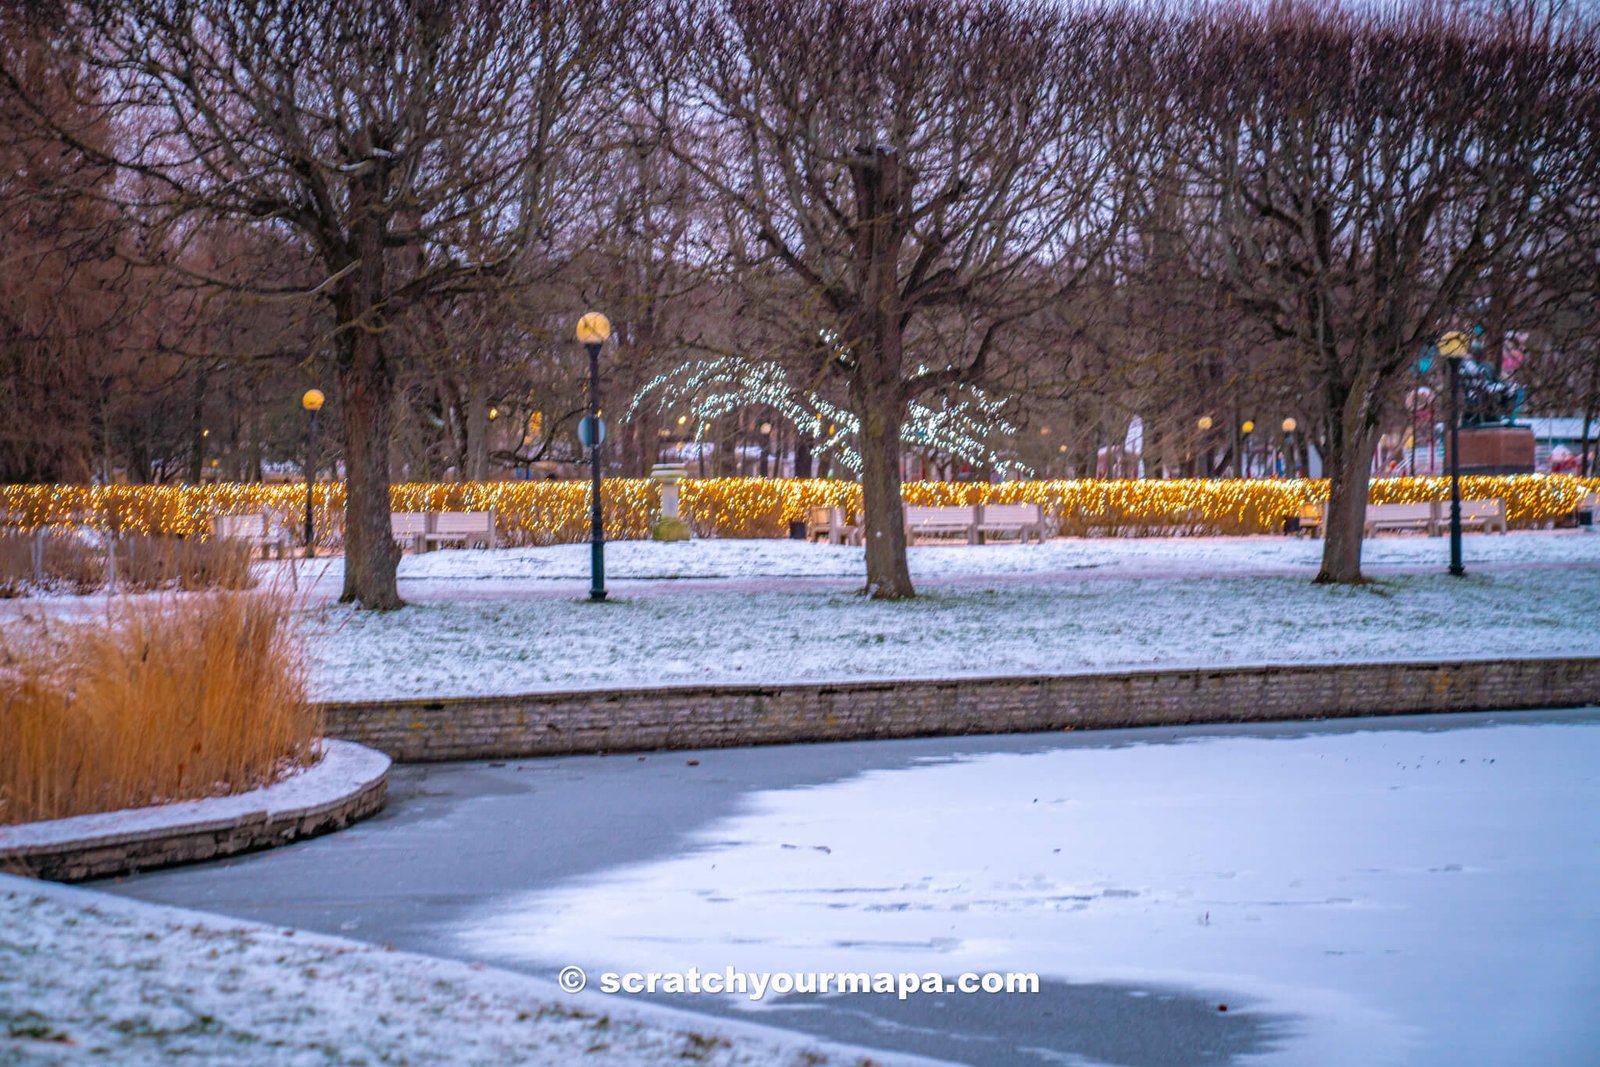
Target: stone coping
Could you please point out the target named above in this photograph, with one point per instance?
(708, 715)
(836, 683)
(348, 783)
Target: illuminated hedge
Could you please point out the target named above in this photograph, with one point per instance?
(549, 512)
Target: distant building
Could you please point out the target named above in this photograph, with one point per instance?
(1559, 442)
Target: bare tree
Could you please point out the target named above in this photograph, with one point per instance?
(1363, 169)
(415, 149)
(932, 173)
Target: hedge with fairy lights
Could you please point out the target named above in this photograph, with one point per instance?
(550, 512)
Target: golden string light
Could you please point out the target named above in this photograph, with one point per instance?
(552, 512)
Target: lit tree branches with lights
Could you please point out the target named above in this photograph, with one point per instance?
(708, 389)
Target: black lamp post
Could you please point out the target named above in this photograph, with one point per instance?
(1245, 430)
(1453, 347)
(1291, 458)
(593, 329)
(1204, 426)
(312, 401)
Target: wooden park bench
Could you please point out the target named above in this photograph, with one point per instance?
(1020, 519)
(255, 529)
(929, 520)
(1310, 519)
(830, 525)
(468, 527)
(1486, 515)
(407, 528)
(1588, 512)
(1421, 516)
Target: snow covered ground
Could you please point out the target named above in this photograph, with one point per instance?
(1121, 557)
(517, 620)
(89, 978)
(1418, 891)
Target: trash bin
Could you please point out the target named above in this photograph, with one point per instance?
(797, 531)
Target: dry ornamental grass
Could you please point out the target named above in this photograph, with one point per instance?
(70, 562)
(165, 699)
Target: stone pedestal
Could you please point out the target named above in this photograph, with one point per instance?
(669, 526)
(1494, 450)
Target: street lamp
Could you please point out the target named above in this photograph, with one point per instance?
(593, 329)
(1245, 430)
(1204, 425)
(312, 401)
(1453, 347)
(1290, 469)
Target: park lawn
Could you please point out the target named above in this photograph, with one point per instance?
(773, 611)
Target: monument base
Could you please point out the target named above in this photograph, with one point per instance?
(1494, 450)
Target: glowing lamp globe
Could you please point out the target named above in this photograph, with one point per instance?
(1289, 425)
(313, 400)
(593, 329)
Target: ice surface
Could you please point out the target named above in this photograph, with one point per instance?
(1421, 896)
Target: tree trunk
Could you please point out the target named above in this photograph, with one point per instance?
(367, 386)
(882, 192)
(640, 444)
(366, 383)
(197, 439)
(802, 455)
(1347, 466)
(477, 420)
(1585, 464)
(726, 461)
(884, 525)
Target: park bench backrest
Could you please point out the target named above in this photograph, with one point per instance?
(940, 515)
(251, 527)
(1400, 512)
(463, 522)
(1006, 514)
(408, 523)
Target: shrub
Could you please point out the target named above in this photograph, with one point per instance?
(145, 563)
(163, 699)
(48, 563)
(69, 562)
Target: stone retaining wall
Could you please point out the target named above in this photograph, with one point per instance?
(349, 783)
(711, 716)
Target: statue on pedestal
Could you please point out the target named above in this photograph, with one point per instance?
(1485, 399)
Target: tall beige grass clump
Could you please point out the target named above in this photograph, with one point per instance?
(166, 698)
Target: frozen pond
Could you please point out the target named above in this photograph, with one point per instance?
(1416, 891)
